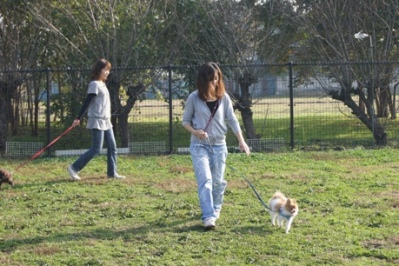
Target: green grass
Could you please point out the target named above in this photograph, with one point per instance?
(348, 212)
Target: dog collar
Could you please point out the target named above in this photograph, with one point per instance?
(280, 212)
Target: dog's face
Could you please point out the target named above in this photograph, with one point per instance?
(292, 206)
(5, 177)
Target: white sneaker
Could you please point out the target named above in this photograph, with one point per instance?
(73, 173)
(118, 176)
(209, 224)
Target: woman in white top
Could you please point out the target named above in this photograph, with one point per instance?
(98, 106)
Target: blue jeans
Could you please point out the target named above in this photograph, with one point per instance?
(97, 144)
(209, 162)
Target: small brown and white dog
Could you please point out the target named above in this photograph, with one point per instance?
(5, 177)
(283, 209)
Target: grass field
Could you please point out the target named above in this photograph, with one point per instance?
(348, 212)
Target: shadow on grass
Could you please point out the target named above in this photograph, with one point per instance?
(258, 230)
(137, 233)
(104, 234)
(100, 180)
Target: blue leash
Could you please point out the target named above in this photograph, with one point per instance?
(280, 211)
(245, 178)
(250, 184)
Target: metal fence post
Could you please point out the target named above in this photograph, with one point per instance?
(291, 88)
(48, 90)
(170, 110)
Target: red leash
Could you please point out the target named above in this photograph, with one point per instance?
(45, 148)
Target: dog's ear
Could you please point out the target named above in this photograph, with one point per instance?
(291, 201)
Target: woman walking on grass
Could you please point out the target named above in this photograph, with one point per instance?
(205, 115)
(98, 105)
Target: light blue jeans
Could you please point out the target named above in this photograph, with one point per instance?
(98, 137)
(209, 162)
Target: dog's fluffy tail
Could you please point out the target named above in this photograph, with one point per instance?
(277, 195)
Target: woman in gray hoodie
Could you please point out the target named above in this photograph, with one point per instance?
(205, 115)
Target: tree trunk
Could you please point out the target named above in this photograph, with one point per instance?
(120, 113)
(247, 119)
(394, 102)
(36, 107)
(362, 106)
(370, 120)
(123, 126)
(3, 122)
(7, 89)
(134, 93)
(16, 110)
(243, 104)
(382, 98)
(10, 114)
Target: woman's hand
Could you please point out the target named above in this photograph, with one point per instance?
(242, 144)
(75, 122)
(244, 147)
(200, 134)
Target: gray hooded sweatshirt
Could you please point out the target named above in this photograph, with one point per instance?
(197, 113)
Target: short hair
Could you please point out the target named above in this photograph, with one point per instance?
(206, 73)
(98, 66)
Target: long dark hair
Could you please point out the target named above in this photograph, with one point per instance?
(207, 73)
(97, 67)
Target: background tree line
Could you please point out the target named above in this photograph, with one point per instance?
(74, 33)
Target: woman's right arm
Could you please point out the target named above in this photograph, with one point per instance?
(86, 104)
(199, 133)
(187, 118)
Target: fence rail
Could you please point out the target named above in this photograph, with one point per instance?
(290, 110)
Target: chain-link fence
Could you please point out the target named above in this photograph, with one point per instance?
(280, 107)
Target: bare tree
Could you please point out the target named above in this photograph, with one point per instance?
(128, 33)
(21, 47)
(330, 27)
(237, 33)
